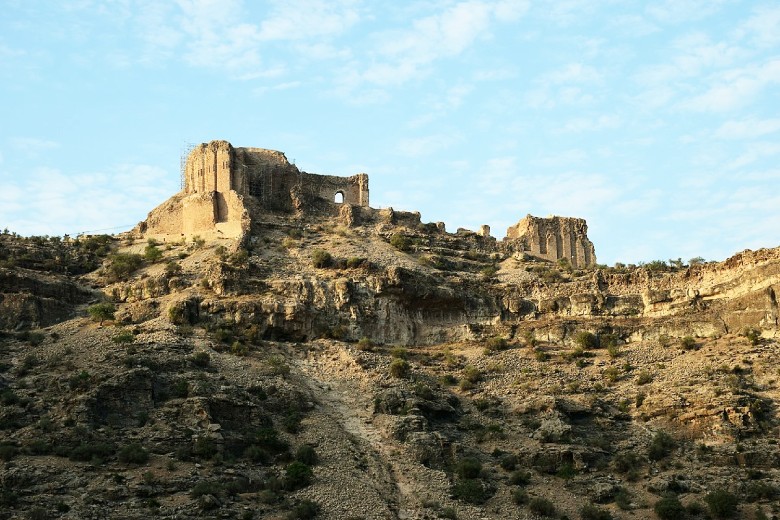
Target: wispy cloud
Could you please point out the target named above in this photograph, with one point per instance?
(427, 145)
(33, 145)
(748, 128)
(50, 201)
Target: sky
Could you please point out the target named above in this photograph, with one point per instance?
(657, 122)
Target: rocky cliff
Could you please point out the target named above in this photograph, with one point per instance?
(357, 363)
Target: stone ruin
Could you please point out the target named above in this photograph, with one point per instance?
(226, 187)
(554, 238)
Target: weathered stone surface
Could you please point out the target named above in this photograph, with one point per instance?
(554, 238)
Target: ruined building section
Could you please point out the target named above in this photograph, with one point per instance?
(554, 238)
(223, 184)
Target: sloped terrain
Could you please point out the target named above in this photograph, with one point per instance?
(388, 371)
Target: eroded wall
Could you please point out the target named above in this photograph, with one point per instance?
(554, 238)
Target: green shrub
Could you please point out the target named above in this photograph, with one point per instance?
(355, 262)
(206, 487)
(399, 368)
(542, 507)
(472, 490)
(669, 508)
(520, 478)
(239, 349)
(495, 344)
(101, 312)
(201, 359)
(304, 510)
(8, 451)
(123, 337)
(400, 242)
(95, 452)
(133, 454)
(321, 259)
(661, 446)
(172, 268)
(508, 462)
(297, 475)
(468, 468)
(722, 504)
(152, 253)
(626, 462)
(586, 340)
(307, 455)
(688, 343)
(644, 377)
(752, 335)
(365, 344)
(122, 265)
(591, 512)
(520, 496)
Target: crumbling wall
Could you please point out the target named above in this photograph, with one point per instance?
(554, 238)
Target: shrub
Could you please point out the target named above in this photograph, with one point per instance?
(399, 368)
(688, 343)
(520, 478)
(201, 359)
(122, 265)
(586, 340)
(206, 487)
(626, 462)
(123, 337)
(239, 349)
(101, 312)
(669, 508)
(365, 344)
(8, 451)
(472, 490)
(542, 507)
(321, 258)
(644, 377)
(468, 468)
(661, 446)
(297, 475)
(520, 496)
(152, 253)
(752, 335)
(172, 268)
(197, 241)
(508, 462)
(722, 503)
(591, 512)
(306, 455)
(400, 242)
(355, 262)
(91, 451)
(495, 344)
(134, 454)
(304, 510)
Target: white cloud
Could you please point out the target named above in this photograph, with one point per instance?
(426, 145)
(305, 19)
(748, 128)
(754, 152)
(736, 88)
(761, 28)
(56, 203)
(584, 124)
(32, 145)
(675, 11)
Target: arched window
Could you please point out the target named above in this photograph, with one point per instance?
(339, 199)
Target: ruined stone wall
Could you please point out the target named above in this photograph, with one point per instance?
(554, 238)
(209, 168)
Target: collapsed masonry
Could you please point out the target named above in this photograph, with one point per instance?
(225, 188)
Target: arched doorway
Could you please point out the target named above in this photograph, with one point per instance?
(339, 198)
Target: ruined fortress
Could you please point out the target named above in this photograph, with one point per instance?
(225, 188)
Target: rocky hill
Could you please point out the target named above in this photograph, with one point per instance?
(357, 363)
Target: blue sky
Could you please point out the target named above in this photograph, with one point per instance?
(658, 122)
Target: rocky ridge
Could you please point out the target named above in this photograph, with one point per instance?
(386, 369)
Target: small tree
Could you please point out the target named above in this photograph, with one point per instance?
(101, 312)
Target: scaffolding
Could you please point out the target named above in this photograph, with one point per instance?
(186, 148)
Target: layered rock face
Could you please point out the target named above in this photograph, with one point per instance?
(555, 238)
